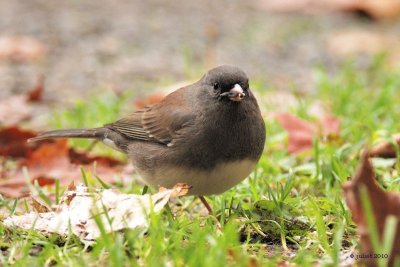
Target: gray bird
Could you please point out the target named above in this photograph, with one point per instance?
(209, 135)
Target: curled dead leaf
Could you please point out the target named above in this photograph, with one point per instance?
(68, 198)
(71, 186)
(38, 206)
(384, 204)
(382, 10)
(180, 189)
(77, 213)
(386, 149)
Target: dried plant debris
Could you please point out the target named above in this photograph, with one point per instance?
(386, 149)
(302, 133)
(47, 161)
(384, 205)
(378, 10)
(82, 210)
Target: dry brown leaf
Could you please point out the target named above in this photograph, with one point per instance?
(77, 207)
(352, 42)
(180, 189)
(36, 93)
(13, 142)
(152, 99)
(383, 205)
(309, 6)
(57, 160)
(47, 161)
(39, 207)
(377, 9)
(71, 186)
(82, 158)
(21, 48)
(386, 149)
(301, 132)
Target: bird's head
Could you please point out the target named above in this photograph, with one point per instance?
(227, 83)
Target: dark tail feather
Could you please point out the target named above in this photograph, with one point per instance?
(94, 133)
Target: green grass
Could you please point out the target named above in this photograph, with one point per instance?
(291, 208)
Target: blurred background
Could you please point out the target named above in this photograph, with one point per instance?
(83, 46)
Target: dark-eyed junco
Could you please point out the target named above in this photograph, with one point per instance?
(208, 135)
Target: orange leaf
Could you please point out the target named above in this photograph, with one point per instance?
(47, 161)
(13, 142)
(152, 99)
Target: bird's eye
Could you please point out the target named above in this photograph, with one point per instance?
(216, 86)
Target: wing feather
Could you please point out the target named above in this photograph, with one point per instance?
(163, 122)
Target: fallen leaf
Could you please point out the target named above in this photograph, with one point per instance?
(383, 10)
(71, 186)
(181, 189)
(82, 158)
(329, 126)
(21, 48)
(77, 214)
(13, 142)
(36, 93)
(309, 6)
(39, 207)
(159, 94)
(152, 99)
(383, 204)
(301, 132)
(376, 9)
(58, 161)
(352, 42)
(47, 161)
(386, 149)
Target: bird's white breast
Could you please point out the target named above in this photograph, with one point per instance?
(203, 182)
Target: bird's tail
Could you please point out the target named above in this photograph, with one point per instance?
(94, 133)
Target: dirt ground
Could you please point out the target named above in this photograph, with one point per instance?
(139, 45)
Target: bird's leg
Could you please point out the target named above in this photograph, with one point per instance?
(205, 203)
(210, 213)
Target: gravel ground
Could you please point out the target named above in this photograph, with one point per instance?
(138, 45)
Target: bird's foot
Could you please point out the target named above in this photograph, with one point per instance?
(210, 212)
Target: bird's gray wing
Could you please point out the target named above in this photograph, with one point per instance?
(164, 122)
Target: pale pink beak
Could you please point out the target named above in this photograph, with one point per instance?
(236, 93)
